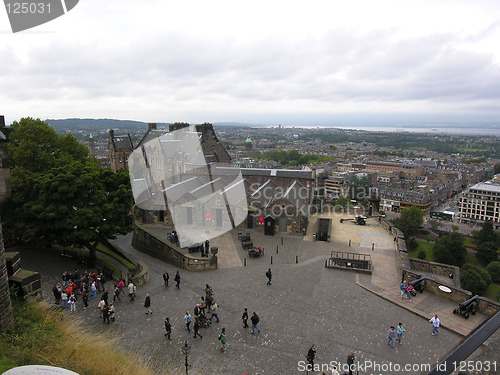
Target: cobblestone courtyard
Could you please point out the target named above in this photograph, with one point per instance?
(306, 304)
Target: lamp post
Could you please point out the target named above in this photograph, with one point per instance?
(185, 350)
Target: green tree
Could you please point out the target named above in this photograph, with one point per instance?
(487, 252)
(450, 249)
(494, 271)
(472, 279)
(411, 219)
(435, 224)
(66, 198)
(343, 201)
(487, 234)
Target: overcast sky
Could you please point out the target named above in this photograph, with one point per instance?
(287, 62)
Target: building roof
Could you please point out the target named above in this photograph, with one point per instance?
(122, 142)
(488, 186)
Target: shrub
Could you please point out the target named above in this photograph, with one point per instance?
(421, 254)
(494, 271)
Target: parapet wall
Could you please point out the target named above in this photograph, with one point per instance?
(147, 243)
(440, 269)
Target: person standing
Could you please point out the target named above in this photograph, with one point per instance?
(244, 318)
(85, 299)
(269, 276)
(165, 278)
(93, 289)
(207, 245)
(131, 291)
(168, 328)
(214, 309)
(223, 340)
(255, 320)
(402, 287)
(399, 332)
(196, 327)
(100, 306)
(436, 323)
(105, 295)
(111, 311)
(147, 304)
(57, 294)
(105, 314)
(409, 291)
(350, 362)
(177, 280)
(72, 302)
(310, 357)
(390, 336)
(187, 320)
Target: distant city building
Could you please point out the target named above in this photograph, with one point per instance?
(119, 149)
(91, 145)
(481, 202)
(248, 144)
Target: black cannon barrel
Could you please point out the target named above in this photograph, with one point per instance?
(416, 282)
(469, 301)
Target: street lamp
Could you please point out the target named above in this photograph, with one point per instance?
(185, 350)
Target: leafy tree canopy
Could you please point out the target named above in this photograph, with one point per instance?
(472, 280)
(450, 249)
(411, 219)
(487, 234)
(487, 252)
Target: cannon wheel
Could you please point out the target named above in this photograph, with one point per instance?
(455, 311)
(473, 311)
(466, 316)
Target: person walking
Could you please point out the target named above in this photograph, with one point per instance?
(131, 291)
(187, 320)
(399, 332)
(214, 309)
(165, 278)
(93, 289)
(196, 327)
(310, 357)
(390, 336)
(117, 294)
(255, 320)
(269, 276)
(147, 304)
(121, 286)
(168, 328)
(436, 323)
(223, 340)
(350, 362)
(244, 318)
(177, 280)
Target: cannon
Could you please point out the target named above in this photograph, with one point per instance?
(418, 286)
(359, 219)
(466, 307)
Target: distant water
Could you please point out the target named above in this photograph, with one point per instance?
(477, 130)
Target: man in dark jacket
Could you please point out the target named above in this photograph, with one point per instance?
(177, 280)
(168, 328)
(269, 276)
(255, 320)
(147, 304)
(310, 357)
(196, 327)
(244, 318)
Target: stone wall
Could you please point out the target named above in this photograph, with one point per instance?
(402, 259)
(439, 269)
(143, 276)
(210, 143)
(28, 283)
(147, 243)
(458, 295)
(13, 260)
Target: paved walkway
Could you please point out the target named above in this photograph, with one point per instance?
(338, 310)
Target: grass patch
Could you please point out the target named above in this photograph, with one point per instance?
(111, 253)
(493, 292)
(426, 247)
(43, 337)
(469, 241)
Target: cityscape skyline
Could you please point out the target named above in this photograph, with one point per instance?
(280, 63)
